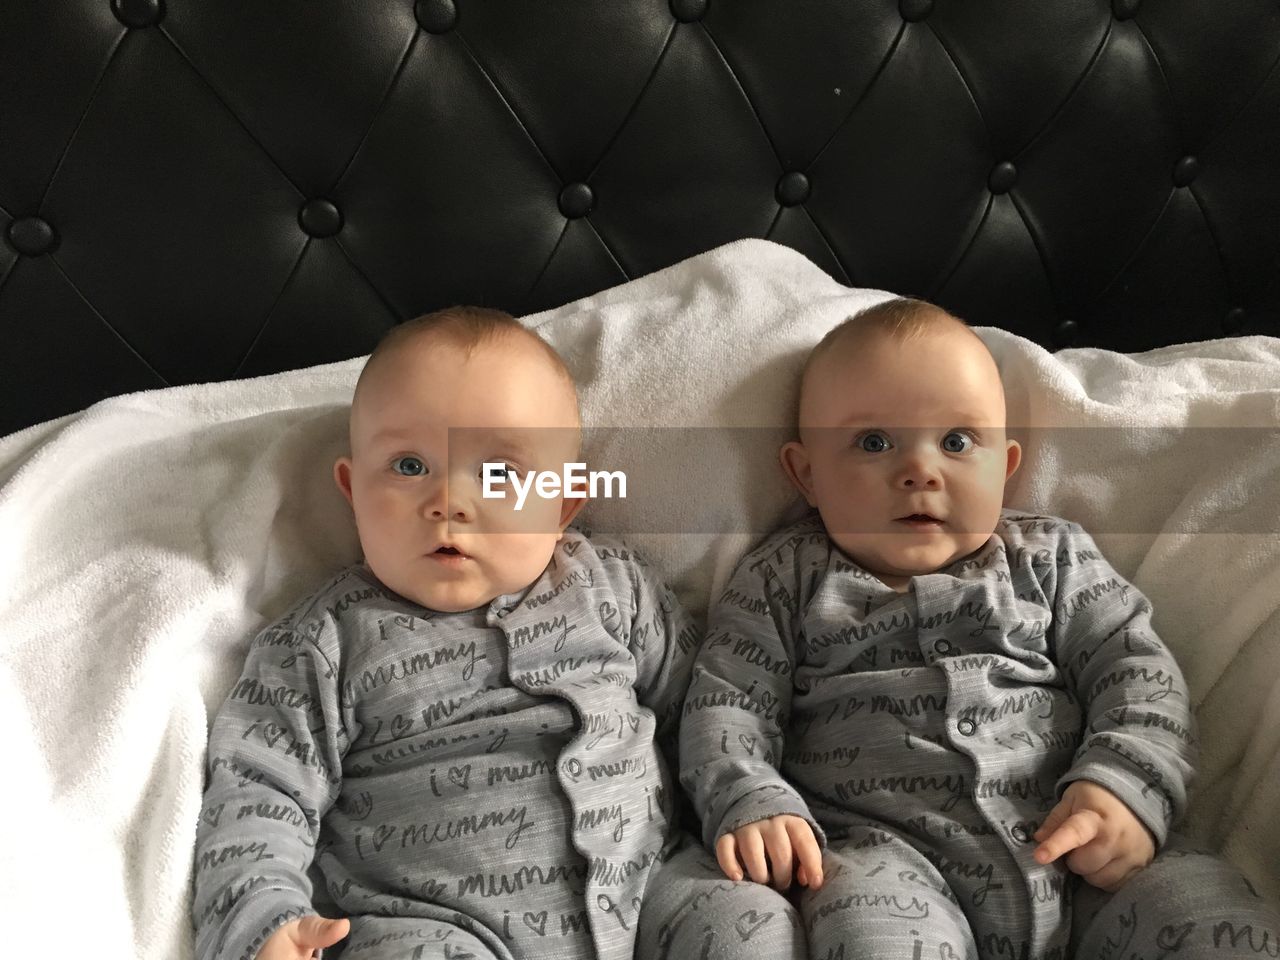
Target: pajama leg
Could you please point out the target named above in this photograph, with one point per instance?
(691, 911)
(411, 938)
(1186, 905)
(882, 903)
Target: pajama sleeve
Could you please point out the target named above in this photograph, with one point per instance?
(662, 641)
(1139, 741)
(733, 729)
(274, 769)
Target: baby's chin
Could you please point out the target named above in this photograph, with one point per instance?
(893, 565)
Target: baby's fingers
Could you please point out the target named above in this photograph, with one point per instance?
(807, 852)
(727, 856)
(1077, 830)
(1113, 876)
(780, 856)
(751, 850)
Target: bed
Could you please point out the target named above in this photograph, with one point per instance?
(211, 211)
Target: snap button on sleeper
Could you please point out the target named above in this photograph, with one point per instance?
(138, 13)
(576, 200)
(688, 11)
(320, 217)
(436, 16)
(1003, 176)
(915, 10)
(1021, 834)
(966, 727)
(942, 646)
(1185, 170)
(1124, 9)
(792, 189)
(32, 236)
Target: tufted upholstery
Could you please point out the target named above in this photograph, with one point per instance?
(203, 189)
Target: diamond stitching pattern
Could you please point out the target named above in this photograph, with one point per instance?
(456, 151)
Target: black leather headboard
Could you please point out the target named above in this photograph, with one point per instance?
(194, 190)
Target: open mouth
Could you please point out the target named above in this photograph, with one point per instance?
(447, 552)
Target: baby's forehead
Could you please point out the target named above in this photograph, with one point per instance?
(875, 376)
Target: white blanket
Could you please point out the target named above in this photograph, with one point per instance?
(145, 539)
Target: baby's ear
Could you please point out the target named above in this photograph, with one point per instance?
(342, 476)
(1013, 459)
(795, 464)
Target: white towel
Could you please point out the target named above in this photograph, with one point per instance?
(146, 539)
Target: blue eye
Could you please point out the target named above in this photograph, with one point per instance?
(873, 442)
(408, 466)
(957, 442)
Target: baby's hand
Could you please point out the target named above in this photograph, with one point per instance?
(1107, 843)
(783, 840)
(300, 939)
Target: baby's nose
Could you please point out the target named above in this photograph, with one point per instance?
(922, 481)
(918, 473)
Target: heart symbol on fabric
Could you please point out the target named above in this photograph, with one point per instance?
(401, 725)
(382, 835)
(272, 733)
(750, 922)
(312, 629)
(610, 618)
(461, 776)
(1171, 937)
(749, 743)
(457, 953)
(403, 620)
(571, 547)
(537, 922)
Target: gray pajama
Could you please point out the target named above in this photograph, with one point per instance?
(484, 784)
(925, 735)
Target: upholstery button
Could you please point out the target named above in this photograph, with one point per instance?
(320, 218)
(1124, 9)
(687, 11)
(1185, 170)
(1003, 176)
(915, 10)
(436, 16)
(1065, 333)
(138, 13)
(576, 200)
(1234, 320)
(966, 727)
(792, 189)
(942, 646)
(32, 236)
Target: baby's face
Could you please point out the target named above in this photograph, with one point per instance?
(903, 450)
(429, 418)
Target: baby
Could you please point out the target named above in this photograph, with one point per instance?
(930, 712)
(459, 738)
